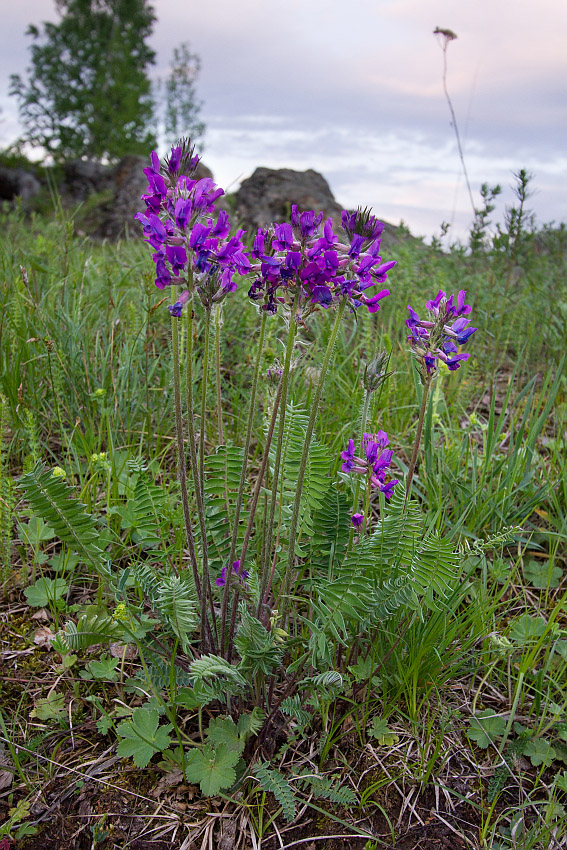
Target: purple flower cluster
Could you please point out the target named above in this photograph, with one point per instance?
(374, 465)
(190, 247)
(307, 260)
(439, 338)
(242, 574)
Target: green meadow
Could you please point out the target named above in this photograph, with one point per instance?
(441, 717)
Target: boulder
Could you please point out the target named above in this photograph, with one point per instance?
(82, 178)
(17, 183)
(129, 183)
(268, 194)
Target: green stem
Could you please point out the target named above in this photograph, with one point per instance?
(366, 528)
(281, 424)
(240, 495)
(204, 383)
(512, 712)
(181, 470)
(218, 325)
(207, 595)
(305, 454)
(248, 532)
(422, 409)
(363, 423)
(256, 494)
(194, 468)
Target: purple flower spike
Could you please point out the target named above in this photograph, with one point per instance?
(307, 261)
(357, 520)
(242, 574)
(348, 457)
(438, 339)
(374, 465)
(189, 247)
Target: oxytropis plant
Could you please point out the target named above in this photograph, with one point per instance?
(437, 340)
(292, 572)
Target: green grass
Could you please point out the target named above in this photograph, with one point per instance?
(86, 385)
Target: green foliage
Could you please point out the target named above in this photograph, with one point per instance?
(88, 93)
(401, 565)
(212, 768)
(142, 736)
(485, 727)
(50, 708)
(176, 604)
(380, 730)
(543, 574)
(250, 724)
(316, 482)
(182, 107)
(331, 527)
(539, 751)
(53, 500)
(259, 652)
(293, 708)
(214, 678)
(527, 629)
(141, 514)
(104, 669)
(45, 592)
(276, 783)
(323, 788)
(93, 626)
(223, 730)
(222, 479)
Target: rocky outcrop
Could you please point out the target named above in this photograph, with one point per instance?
(263, 198)
(268, 194)
(82, 178)
(129, 183)
(17, 183)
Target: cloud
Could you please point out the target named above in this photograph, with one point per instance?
(356, 93)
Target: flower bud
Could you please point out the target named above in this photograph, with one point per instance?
(375, 372)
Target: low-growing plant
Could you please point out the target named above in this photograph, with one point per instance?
(280, 599)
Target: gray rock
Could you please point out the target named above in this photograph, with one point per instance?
(17, 183)
(82, 178)
(130, 183)
(268, 194)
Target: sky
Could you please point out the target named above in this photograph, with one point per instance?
(355, 91)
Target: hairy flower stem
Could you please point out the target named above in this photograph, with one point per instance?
(194, 468)
(281, 426)
(204, 384)
(251, 516)
(422, 409)
(363, 424)
(240, 495)
(305, 454)
(181, 470)
(218, 326)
